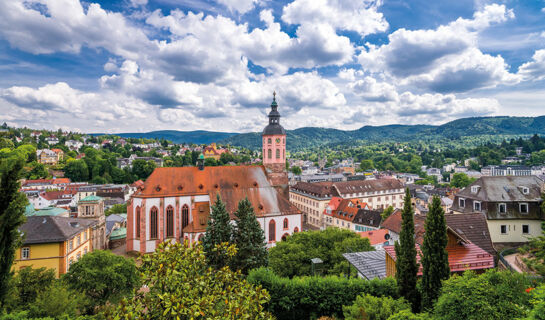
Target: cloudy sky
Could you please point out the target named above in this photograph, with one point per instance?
(143, 65)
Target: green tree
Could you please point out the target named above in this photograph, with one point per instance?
(536, 250)
(406, 265)
(492, 295)
(103, 276)
(116, 208)
(461, 180)
(210, 162)
(367, 307)
(291, 257)
(296, 170)
(184, 287)
(249, 239)
(538, 302)
(12, 208)
(77, 170)
(142, 168)
(38, 171)
(435, 267)
(28, 283)
(58, 301)
(387, 212)
(367, 165)
(219, 230)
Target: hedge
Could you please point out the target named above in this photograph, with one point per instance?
(313, 297)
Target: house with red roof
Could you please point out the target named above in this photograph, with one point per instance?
(351, 214)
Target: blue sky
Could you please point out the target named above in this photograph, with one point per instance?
(142, 65)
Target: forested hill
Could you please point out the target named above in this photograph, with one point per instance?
(198, 136)
(310, 136)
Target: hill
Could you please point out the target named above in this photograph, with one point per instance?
(197, 137)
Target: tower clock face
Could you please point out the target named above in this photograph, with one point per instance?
(277, 140)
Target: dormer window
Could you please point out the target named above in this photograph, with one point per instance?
(462, 203)
(502, 208)
(476, 205)
(523, 208)
(475, 189)
(525, 190)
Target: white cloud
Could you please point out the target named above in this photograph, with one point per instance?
(535, 69)
(371, 90)
(138, 3)
(242, 6)
(360, 16)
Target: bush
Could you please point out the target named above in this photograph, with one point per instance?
(367, 307)
(408, 315)
(58, 301)
(538, 301)
(313, 297)
(491, 295)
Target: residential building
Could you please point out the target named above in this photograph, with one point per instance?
(511, 205)
(351, 214)
(435, 172)
(538, 170)
(377, 238)
(312, 199)
(49, 157)
(378, 194)
(458, 169)
(53, 242)
(212, 151)
(127, 162)
(52, 140)
(174, 203)
(73, 144)
(92, 208)
(43, 184)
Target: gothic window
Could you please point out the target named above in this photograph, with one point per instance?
(285, 223)
(295, 230)
(153, 223)
(185, 216)
(170, 222)
(272, 231)
(277, 153)
(137, 223)
(270, 154)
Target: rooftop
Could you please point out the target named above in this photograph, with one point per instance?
(50, 229)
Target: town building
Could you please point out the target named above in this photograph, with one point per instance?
(174, 203)
(49, 157)
(73, 144)
(213, 152)
(377, 238)
(53, 242)
(43, 184)
(511, 205)
(52, 140)
(351, 214)
(127, 162)
(506, 170)
(92, 208)
(312, 199)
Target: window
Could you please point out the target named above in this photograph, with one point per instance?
(71, 245)
(523, 208)
(525, 190)
(272, 231)
(153, 223)
(477, 205)
(285, 223)
(185, 216)
(462, 203)
(270, 154)
(525, 229)
(25, 253)
(78, 240)
(269, 140)
(85, 235)
(503, 229)
(137, 224)
(502, 208)
(295, 230)
(277, 153)
(70, 262)
(85, 250)
(170, 222)
(474, 189)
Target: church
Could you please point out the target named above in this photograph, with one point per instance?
(174, 203)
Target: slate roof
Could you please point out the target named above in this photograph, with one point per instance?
(371, 264)
(505, 188)
(473, 227)
(357, 186)
(112, 219)
(318, 189)
(49, 229)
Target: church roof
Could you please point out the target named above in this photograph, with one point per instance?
(233, 183)
(274, 128)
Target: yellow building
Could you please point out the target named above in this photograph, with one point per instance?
(53, 242)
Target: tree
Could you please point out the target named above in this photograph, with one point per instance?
(538, 302)
(12, 209)
(103, 276)
(367, 307)
(461, 180)
(210, 162)
(491, 295)
(142, 168)
(296, 170)
(536, 250)
(59, 302)
(116, 208)
(406, 266)
(218, 231)
(38, 171)
(77, 170)
(387, 212)
(28, 283)
(184, 287)
(435, 267)
(367, 165)
(249, 239)
(291, 257)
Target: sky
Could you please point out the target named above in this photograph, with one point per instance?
(145, 65)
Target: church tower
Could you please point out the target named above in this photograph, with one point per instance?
(274, 147)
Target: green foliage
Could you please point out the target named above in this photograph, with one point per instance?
(27, 284)
(116, 208)
(406, 265)
(368, 307)
(408, 315)
(291, 257)
(387, 212)
(249, 240)
(76, 170)
(12, 208)
(538, 302)
(312, 297)
(218, 231)
(58, 301)
(461, 180)
(182, 286)
(296, 170)
(536, 249)
(435, 267)
(103, 277)
(492, 295)
(142, 168)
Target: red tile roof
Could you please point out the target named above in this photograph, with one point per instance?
(462, 257)
(48, 181)
(375, 236)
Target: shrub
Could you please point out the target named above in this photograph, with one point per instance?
(367, 307)
(313, 297)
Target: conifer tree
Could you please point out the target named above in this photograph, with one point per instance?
(218, 231)
(12, 208)
(434, 260)
(406, 266)
(249, 239)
